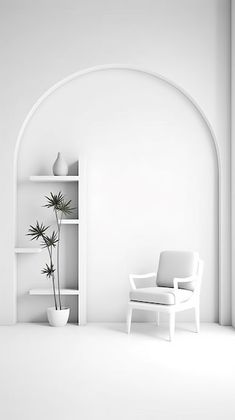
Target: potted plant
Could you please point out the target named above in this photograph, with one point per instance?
(58, 315)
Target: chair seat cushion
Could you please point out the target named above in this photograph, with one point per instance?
(161, 295)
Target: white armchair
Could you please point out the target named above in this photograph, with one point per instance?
(178, 283)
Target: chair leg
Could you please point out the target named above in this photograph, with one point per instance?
(158, 318)
(197, 318)
(171, 325)
(128, 320)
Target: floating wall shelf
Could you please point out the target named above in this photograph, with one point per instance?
(52, 178)
(50, 292)
(69, 222)
(28, 250)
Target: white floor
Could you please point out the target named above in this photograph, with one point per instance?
(99, 372)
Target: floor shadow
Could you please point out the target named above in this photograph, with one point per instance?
(148, 330)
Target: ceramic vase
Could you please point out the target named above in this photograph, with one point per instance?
(60, 167)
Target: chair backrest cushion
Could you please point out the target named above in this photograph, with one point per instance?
(177, 264)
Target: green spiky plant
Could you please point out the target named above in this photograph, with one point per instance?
(61, 208)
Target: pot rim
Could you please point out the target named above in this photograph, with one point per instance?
(64, 308)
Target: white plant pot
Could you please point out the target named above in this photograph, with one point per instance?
(59, 317)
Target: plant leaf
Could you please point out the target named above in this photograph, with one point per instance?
(50, 240)
(37, 231)
(48, 270)
(65, 207)
(54, 200)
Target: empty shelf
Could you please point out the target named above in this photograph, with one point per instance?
(50, 292)
(69, 222)
(28, 250)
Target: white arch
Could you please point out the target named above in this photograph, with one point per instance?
(113, 67)
(147, 72)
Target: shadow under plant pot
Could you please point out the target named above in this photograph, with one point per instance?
(58, 317)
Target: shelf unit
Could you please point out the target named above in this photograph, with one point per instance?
(80, 224)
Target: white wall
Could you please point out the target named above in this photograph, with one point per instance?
(187, 41)
(152, 185)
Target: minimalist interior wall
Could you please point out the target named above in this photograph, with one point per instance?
(43, 42)
(152, 185)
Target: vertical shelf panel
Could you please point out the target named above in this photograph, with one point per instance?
(82, 243)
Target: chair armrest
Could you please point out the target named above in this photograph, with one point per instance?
(178, 280)
(132, 278)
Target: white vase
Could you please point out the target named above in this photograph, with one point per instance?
(60, 167)
(59, 317)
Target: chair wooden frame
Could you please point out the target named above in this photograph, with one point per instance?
(192, 303)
